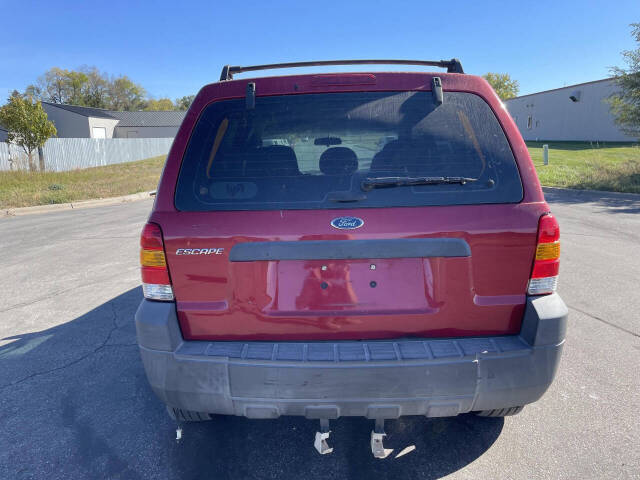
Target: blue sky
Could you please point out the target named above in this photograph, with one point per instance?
(174, 47)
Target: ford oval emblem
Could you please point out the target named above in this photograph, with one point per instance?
(347, 223)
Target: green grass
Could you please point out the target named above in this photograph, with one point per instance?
(613, 167)
(24, 189)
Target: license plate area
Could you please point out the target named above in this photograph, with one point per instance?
(355, 287)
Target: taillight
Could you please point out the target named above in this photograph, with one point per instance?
(156, 284)
(544, 276)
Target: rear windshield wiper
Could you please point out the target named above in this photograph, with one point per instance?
(386, 182)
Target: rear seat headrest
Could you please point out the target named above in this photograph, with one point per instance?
(338, 161)
(277, 160)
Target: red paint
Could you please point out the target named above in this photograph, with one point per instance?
(479, 295)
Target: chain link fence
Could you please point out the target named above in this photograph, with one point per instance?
(62, 154)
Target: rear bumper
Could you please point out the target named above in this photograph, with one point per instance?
(376, 379)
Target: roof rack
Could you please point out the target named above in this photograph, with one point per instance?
(452, 66)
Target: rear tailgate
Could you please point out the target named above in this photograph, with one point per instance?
(447, 292)
(250, 219)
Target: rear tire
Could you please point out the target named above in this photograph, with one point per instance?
(180, 415)
(500, 412)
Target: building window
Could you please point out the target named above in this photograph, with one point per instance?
(529, 121)
(537, 123)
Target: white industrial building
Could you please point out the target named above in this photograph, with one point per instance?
(574, 113)
(72, 121)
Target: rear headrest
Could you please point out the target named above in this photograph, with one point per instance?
(338, 161)
(274, 160)
(387, 158)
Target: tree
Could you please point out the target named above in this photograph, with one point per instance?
(160, 104)
(76, 86)
(87, 87)
(51, 86)
(96, 93)
(125, 94)
(27, 124)
(625, 103)
(502, 83)
(183, 103)
(59, 86)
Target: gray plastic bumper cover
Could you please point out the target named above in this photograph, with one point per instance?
(375, 379)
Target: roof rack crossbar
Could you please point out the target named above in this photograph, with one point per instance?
(452, 66)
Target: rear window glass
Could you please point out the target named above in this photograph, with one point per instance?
(313, 151)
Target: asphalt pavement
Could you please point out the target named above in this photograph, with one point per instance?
(75, 403)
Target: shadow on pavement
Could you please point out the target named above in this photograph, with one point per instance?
(609, 201)
(75, 403)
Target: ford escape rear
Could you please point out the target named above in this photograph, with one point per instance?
(371, 244)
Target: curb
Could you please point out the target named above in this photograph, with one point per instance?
(98, 202)
(575, 191)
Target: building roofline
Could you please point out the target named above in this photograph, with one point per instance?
(64, 106)
(147, 126)
(135, 118)
(562, 88)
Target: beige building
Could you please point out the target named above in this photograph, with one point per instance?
(573, 113)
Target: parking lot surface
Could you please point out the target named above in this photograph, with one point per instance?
(75, 403)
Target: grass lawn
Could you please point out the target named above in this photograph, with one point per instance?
(23, 189)
(612, 166)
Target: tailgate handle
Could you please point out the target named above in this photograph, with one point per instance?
(350, 249)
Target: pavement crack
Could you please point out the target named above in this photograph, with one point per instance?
(114, 319)
(65, 290)
(39, 299)
(105, 343)
(590, 315)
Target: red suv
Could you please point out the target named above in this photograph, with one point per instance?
(359, 244)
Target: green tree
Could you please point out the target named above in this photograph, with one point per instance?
(50, 87)
(502, 83)
(76, 86)
(88, 87)
(27, 124)
(625, 103)
(59, 86)
(96, 91)
(160, 104)
(126, 95)
(183, 103)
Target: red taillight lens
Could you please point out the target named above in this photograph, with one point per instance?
(548, 229)
(545, 269)
(156, 283)
(151, 237)
(544, 276)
